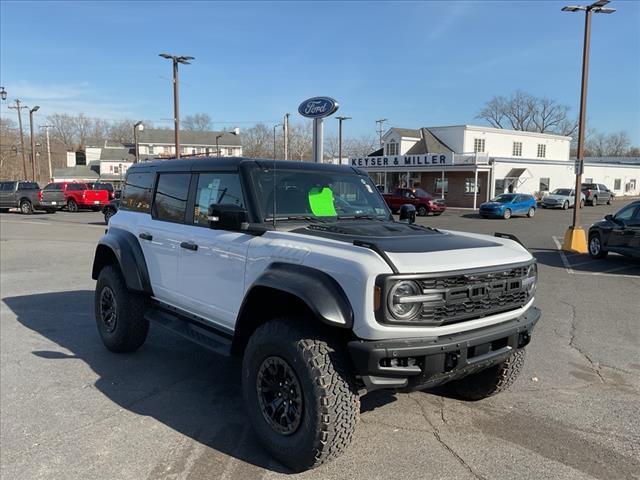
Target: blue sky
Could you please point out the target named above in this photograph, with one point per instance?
(415, 63)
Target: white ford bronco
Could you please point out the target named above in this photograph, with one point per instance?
(301, 270)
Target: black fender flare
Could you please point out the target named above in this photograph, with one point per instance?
(318, 290)
(126, 249)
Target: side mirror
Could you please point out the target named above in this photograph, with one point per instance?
(227, 217)
(408, 214)
(609, 217)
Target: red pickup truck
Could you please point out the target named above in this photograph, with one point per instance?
(424, 202)
(72, 195)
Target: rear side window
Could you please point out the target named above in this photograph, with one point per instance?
(216, 188)
(170, 201)
(136, 194)
(28, 186)
(75, 186)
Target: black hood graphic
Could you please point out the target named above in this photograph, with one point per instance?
(393, 237)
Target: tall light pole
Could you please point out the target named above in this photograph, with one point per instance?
(340, 120)
(274, 139)
(380, 130)
(136, 144)
(285, 132)
(46, 129)
(575, 239)
(19, 108)
(176, 101)
(218, 137)
(3, 93)
(33, 141)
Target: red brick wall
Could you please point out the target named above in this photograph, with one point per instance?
(456, 196)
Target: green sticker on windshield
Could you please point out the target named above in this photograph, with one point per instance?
(321, 202)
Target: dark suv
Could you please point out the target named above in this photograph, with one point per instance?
(23, 195)
(595, 193)
(619, 233)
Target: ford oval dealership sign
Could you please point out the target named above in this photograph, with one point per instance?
(318, 107)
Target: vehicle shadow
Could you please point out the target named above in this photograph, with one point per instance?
(178, 383)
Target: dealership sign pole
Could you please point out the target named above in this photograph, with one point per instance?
(317, 108)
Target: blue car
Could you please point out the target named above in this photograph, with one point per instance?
(509, 204)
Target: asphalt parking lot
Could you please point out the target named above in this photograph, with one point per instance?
(72, 410)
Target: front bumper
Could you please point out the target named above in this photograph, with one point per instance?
(417, 363)
(492, 212)
(437, 207)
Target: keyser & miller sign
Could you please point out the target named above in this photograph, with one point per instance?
(403, 161)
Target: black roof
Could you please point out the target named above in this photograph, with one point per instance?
(233, 163)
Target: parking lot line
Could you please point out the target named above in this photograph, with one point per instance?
(563, 257)
(569, 267)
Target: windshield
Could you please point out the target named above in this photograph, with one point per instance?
(561, 191)
(508, 198)
(317, 194)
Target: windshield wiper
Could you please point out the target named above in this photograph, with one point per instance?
(361, 217)
(308, 218)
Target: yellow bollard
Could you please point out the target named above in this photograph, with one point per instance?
(575, 240)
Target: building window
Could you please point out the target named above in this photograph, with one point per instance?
(631, 186)
(588, 180)
(150, 149)
(617, 183)
(470, 186)
(544, 184)
(392, 148)
(499, 186)
(438, 188)
(517, 149)
(230, 152)
(166, 150)
(542, 150)
(478, 145)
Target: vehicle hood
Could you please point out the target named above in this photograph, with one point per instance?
(413, 248)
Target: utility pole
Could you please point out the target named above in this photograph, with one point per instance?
(340, 120)
(285, 129)
(46, 130)
(274, 139)
(575, 239)
(33, 141)
(380, 130)
(19, 107)
(136, 143)
(176, 101)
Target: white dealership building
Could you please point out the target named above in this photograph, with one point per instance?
(470, 164)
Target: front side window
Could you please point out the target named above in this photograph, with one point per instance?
(505, 198)
(216, 188)
(626, 213)
(542, 150)
(478, 145)
(544, 184)
(470, 186)
(170, 201)
(316, 194)
(136, 194)
(517, 149)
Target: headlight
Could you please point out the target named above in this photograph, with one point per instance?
(531, 279)
(399, 303)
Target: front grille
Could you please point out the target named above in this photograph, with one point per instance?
(474, 295)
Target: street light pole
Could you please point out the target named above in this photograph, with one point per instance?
(218, 137)
(340, 120)
(19, 107)
(46, 129)
(285, 133)
(575, 238)
(274, 139)
(33, 141)
(136, 146)
(176, 101)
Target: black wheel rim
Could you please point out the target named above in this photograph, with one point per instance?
(279, 395)
(108, 307)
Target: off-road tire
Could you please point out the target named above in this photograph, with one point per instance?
(26, 208)
(422, 211)
(490, 381)
(131, 328)
(595, 246)
(507, 214)
(72, 206)
(330, 403)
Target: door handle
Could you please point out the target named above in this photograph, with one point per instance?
(189, 246)
(146, 236)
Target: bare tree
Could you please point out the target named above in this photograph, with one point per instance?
(121, 131)
(523, 111)
(63, 129)
(258, 141)
(301, 137)
(199, 122)
(600, 144)
(83, 126)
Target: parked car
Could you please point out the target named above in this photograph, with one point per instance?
(619, 233)
(562, 198)
(321, 307)
(509, 204)
(19, 194)
(73, 196)
(103, 186)
(110, 209)
(595, 193)
(424, 202)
